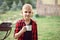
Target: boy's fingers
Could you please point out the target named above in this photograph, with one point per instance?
(24, 28)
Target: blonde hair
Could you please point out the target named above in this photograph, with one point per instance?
(27, 6)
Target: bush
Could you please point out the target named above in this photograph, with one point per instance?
(14, 6)
(37, 15)
(4, 7)
(19, 6)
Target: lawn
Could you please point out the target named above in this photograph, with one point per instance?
(48, 26)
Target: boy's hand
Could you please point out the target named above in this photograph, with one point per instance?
(20, 32)
(24, 29)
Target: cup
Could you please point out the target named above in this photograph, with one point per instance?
(29, 27)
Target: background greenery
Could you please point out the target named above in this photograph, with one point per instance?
(48, 26)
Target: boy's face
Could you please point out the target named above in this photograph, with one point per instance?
(27, 13)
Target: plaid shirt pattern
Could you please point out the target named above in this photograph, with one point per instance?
(19, 26)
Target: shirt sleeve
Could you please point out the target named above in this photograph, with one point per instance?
(35, 33)
(17, 27)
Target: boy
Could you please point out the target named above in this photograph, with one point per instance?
(26, 28)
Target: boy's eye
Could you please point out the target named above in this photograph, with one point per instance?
(25, 11)
(29, 11)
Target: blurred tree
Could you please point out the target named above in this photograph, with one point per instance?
(9, 3)
(28, 1)
(23, 2)
(4, 7)
(19, 6)
(33, 3)
(14, 6)
(1, 2)
(18, 2)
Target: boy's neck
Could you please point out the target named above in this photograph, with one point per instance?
(27, 21)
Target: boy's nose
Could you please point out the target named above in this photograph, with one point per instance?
(27, 13)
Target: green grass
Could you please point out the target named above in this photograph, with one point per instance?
(48, 27)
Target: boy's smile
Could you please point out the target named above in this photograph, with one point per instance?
(27, 13)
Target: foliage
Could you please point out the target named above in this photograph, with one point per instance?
(14, 6)
(48, 27)
(19, 3)
(33, 2)
(37, 15)
(1, 1)
(19, 6)
(9, 3)
(4, 7)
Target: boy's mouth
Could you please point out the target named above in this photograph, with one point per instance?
(27, 16)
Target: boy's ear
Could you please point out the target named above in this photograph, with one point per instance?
(32, 12)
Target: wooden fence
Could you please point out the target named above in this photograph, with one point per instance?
(48, 10)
